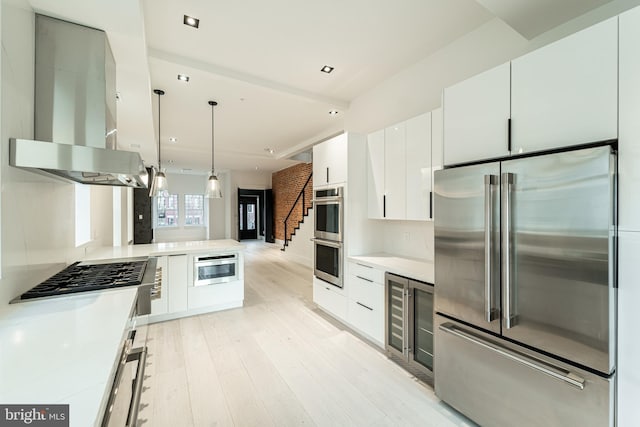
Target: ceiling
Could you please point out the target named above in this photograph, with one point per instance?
(261, 62)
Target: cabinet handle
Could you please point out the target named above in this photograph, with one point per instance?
(365, 279)
(364, 265)
(430, 204)
(509, 134)
(327, 175)
(384, 206)
(362, 305)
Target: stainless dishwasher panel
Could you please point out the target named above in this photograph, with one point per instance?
(498, 383)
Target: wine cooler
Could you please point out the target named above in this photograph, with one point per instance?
(409, 321)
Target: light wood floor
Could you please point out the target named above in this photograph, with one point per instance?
(277, 362)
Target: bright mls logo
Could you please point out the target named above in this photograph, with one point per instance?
(34, 415)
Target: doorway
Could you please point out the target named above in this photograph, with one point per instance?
(248, 217)
(264, 214)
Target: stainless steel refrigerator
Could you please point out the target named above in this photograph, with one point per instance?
(525, 294)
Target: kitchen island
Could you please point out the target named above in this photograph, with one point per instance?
(197, 276)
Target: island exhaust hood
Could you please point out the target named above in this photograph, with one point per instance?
(75, 110)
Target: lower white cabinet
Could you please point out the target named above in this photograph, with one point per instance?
(219, 295)
(365, 288)
(330, 298)
(177, 277)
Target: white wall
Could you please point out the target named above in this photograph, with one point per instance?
(300, 248)
(37, 221)
(247, 180)
(182, 184)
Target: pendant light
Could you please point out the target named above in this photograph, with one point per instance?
(213, 190)
(159, 186)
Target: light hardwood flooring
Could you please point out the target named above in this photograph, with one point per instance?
(277, 361)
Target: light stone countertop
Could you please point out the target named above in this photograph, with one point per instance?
(170, 248)
(412, 268)
(63, 351)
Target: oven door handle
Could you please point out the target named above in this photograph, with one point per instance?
(139, 354)
(331, 199)
(330, 243)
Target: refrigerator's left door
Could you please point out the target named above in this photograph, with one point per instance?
(467, 218)
(558, 255)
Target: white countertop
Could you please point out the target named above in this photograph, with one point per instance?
(170, 248)
(63, 351)
(413, 268)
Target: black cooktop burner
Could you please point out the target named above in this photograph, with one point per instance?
(90, 277)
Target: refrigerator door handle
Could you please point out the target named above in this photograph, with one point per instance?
(545, 368)
(510, 320)
(490, 312)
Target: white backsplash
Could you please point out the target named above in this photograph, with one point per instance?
(412, 239)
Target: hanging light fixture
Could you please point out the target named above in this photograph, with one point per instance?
(159, 186)
(213, 190)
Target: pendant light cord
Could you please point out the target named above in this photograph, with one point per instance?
(213, 170)
(159, 93)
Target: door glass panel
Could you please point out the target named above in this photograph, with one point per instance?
(395, 315)
(241, 217)
(327, 260)
(423, 328)
(251, 217)
(216, 271)
(328, 217)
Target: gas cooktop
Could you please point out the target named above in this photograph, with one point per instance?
(83, 277)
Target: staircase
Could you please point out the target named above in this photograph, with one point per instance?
(298, 212)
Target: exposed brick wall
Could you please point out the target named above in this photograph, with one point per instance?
(286, 185)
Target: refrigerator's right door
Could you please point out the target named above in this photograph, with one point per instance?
(558, 254)
(467, 248)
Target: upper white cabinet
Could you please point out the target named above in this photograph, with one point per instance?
(629, 130)
(418, 164)
(395, 190)
(476, 117)
(330, 161)
(566, 93)
(375, 174)
(399, 169)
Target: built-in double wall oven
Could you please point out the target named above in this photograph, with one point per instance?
(328, 235)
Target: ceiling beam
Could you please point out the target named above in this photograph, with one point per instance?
(246, 78)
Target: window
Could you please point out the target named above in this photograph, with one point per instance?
(167, 211)
(194, 209)
(83, 214)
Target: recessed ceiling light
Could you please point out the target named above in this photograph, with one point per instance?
(191, 21)
(183, 77)
(269, 150)
(118, 96)
(173, 139)
(326, 69)
(333, 112)
(257, 168)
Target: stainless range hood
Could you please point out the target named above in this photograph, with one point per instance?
(75, 110)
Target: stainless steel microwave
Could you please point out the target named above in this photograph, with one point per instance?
(212, 269)
(329, 213)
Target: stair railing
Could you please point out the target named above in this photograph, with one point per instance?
(302, 196)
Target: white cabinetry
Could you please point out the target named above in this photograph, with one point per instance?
(366, 300)
(330, 161)
(399, 170)
(375, 174)
(476, 117)
(566, 93)
(628, 371)
(418, 167)
(177, 273)
(629, 130)
(330, 298)
(395, 189)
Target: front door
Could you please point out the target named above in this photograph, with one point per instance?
(247, 217)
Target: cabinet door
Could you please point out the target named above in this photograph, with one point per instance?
(628, 370)
(629, 137)
(375, 173)
(330, 161)
(566, 93)
(177, 283)
(476, 113)
(395, 186)
(418, 167)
